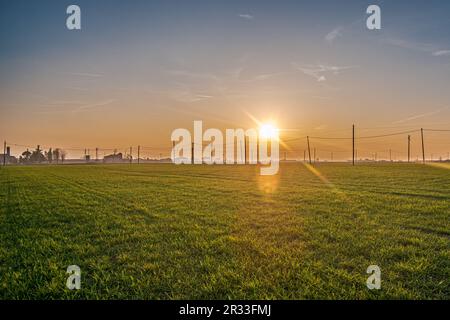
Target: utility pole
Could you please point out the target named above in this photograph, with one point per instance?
(390, 155)
(139, 154)
(96, 154)
(314, 155)
(173, 151)
(245, 150)
(131, 154)
(258, 156)
(192, 153)
(4, 153)
(309, 150)
(423, 145)
(353, 145)
(409, 148)
(304, 155)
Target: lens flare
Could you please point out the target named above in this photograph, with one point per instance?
(268, 131)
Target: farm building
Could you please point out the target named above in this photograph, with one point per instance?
(113, 158)
(9, 158)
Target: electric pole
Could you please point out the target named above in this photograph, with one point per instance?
(309, 150)
(353, 145)
(409, 148)
(423, 145)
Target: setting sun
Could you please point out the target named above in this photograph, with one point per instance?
(268, 131)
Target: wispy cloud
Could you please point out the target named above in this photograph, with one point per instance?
(65, 106)
(412, 45)
(321, 97)
(320, 71)
(65, 102)
(429, 48)
(94, 105)
(186, 93)
(321, 127)
(334, 34)
(77, 88)
(246, 16)
(189, 97)
(189, 74)
(422, 115)
(441, 53)
(237, 74)
(85, 74)
(338, 32)
(266, 76)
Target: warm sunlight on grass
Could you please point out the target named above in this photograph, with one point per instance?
(288, 236)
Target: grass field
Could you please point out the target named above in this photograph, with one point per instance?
(161, 231)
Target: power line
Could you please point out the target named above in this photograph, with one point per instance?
(154, 149)
(388, 135)
(361, 137)
(437, 130)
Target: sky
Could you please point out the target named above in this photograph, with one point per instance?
(137, 70)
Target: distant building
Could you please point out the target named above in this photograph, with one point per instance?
(9, 158)
(113, 158)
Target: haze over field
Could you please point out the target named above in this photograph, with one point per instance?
(139, 69)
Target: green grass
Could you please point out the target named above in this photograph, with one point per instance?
(224, 232)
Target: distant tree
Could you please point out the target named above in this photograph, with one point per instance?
(26, 156)
(56, 154)
(49, 155)
(63, 155)
(37, 156)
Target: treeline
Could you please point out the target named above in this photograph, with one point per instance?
(40, 156)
